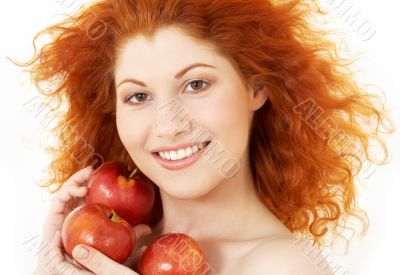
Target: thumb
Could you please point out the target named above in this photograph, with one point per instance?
(99, 263)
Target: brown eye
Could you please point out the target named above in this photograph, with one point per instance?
(198, 85)
(138, 98)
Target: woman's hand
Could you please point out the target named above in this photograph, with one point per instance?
(69, 196)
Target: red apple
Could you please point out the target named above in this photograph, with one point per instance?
(130, 196)
(171, 254)
(98, 226)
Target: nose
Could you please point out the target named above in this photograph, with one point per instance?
(167, 125)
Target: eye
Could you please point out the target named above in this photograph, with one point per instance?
(139, 97)
(197, 85)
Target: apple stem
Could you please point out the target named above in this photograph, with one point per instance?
(133, 172)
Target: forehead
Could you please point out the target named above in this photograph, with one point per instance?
(170, 47)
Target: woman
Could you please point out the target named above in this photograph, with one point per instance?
(264, 110)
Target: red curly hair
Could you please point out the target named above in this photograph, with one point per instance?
(309, 140)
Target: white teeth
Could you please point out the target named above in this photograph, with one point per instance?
(174, 155)
(181, 153)
(188, 152)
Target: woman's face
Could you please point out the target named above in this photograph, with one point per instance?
(213, 98)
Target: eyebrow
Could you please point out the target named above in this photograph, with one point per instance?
(177, 76)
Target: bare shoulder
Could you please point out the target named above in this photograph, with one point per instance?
(285, 256)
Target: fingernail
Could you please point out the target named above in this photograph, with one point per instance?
(80, 252)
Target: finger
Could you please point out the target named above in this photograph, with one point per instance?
(80, 177)
(57, 243)
(141, 230)
(65, 199)
(53, 261)
(70, 189)
(71, 260)
(57, 212)
(98, 262)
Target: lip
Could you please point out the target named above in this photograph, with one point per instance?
(180, 163)
(176, 147)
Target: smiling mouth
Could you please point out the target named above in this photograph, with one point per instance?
(182, 161)
(181, 154)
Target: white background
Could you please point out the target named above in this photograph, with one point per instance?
(24, 205)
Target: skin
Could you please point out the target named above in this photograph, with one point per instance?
(223, 214)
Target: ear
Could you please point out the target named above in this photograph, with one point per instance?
(258, 95)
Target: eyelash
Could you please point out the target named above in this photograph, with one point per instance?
(127, 100)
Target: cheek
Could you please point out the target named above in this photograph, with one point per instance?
(227, 120)
(131, 132)
(227, 113)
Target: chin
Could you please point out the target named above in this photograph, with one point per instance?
(188, 190)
